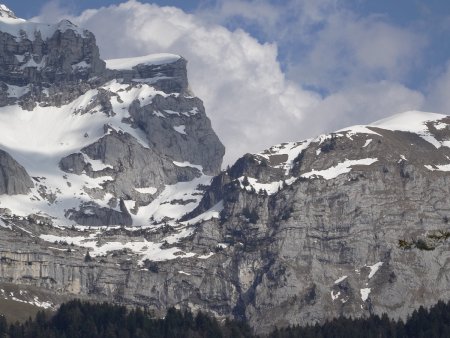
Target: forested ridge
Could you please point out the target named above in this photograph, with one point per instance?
(81, 319)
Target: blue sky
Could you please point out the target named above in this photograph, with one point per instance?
(273, 71)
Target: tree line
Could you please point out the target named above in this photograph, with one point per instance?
(88, 320)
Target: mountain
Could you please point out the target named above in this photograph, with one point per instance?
(111, 189)
(98, 141)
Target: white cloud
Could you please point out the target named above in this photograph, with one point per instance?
(51, 11)
(326, 43)
(348, 50)
(438, 99)
(363, 104)
(248, 97)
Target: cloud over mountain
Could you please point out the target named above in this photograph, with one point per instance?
(346, 69)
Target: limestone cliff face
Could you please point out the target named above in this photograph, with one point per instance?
(344, 224)
(320, 241)
(121, 162)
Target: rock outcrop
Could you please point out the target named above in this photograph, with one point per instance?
(14, 179)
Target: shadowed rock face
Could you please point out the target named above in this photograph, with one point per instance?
(14, 179)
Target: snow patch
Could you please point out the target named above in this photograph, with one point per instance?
(180, 129)
(412, 121)
(439, 167)
(184, 273)
(355, 130)
(192, 112)
(34, 301)
(374, 268)
(188, 164)
(172, 112)
(271, 188)
(16, 91)
(206, 256)
(337, 281)
(440, 125)
(166, 205)
(159, 114)
(214, 212)
(291, 149)
(339, 169)
(148, 190)
(365, 294)
(3, 225)
(80, 65)
(334, 295)
(41, 304)
(97, 165)
(367, 143)
(145, 249)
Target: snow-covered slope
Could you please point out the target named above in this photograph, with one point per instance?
(124, 146)
(40, 138)
(285, 163)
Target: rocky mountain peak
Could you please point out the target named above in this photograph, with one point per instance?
(43, 57)
(113, 138)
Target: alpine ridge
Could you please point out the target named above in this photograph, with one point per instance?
(111, 189)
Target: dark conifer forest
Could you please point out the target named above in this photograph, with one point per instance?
(81, 319)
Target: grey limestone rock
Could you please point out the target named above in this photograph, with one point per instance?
(316, 249)
(55, 63)
(66, 56)
(179, 127)
(169, 78)
(73, 163)
(135, 165)
(91, 214)
(130, 164)
(308, 252)
(14, 179)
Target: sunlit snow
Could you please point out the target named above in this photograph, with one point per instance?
(337, 281)
(374, 268)
(338, 169)
(365, 294)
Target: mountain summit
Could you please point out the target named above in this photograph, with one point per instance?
(6, 13)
